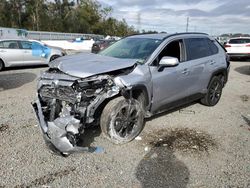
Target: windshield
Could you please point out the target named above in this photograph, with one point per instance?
(132, 48)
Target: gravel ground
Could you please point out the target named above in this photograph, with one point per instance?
(195, 146)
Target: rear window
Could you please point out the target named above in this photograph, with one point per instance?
(239, 41)
(213, 48)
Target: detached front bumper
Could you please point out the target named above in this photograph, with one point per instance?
(55, 135)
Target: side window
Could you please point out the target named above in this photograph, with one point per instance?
(173, 49)
(11, 44)
(26, 45)
(197, 48)
(213, 48)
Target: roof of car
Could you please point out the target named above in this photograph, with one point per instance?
(161, 36)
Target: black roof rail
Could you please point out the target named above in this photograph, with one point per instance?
(185, 33)
(168, 34)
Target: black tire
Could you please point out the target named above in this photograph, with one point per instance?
(213, 93)
(53, 57)
(115, 123)
(1, 65)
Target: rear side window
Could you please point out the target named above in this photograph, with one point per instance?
(239, 41)
(197, 48)
(213, 48)
(9, 44)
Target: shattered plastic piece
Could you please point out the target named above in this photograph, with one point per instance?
(146, 148)
(138, 138)
(185, 111)
(98, 150)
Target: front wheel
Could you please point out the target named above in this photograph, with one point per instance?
(122, 120)
(54, 57)
(213, 93)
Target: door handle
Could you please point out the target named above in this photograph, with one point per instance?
(212, 62)
(185, 71)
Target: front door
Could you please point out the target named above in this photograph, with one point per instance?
(172, 83)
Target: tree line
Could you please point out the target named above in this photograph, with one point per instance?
(73, 16)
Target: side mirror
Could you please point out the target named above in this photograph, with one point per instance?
(167, 62)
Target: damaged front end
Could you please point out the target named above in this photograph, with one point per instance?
(66, 105)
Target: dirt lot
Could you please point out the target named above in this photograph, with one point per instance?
(195, 146)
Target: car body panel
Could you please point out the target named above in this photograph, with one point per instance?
(11, 57)
(83, 65)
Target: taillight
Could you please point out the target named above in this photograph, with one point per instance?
(248, 45)
(227, 46)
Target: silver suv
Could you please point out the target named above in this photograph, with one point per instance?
(134, 78)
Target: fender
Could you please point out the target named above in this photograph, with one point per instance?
(222, 71)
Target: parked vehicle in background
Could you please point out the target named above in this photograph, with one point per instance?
(238, 47)
(20, 52)
(101, 44)
(136, 77)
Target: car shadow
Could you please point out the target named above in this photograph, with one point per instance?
(160, 168)
(24, 67)
(243, 70)
(15, 80)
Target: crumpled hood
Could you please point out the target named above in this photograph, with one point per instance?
(83, 65)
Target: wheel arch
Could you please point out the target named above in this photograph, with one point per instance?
(1, 60)
(222, 74)
(53, 55)
(141, 90)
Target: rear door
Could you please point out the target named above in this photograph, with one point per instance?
(201, 61)
(11, 53)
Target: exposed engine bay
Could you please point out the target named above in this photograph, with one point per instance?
(66, 105)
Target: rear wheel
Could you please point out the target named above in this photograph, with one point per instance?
(1, 65)
(214, 92)
(122, 120)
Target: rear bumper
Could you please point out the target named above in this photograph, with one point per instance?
(239, 55)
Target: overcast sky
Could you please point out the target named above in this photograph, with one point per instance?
(210, 16)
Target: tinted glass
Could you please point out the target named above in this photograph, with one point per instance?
(132, 48)
(239, 41)
(197, 48)
(213, 48)
(10, 44)
(26, 45)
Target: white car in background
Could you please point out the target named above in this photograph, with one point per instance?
(238, 47)
(18, 52)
